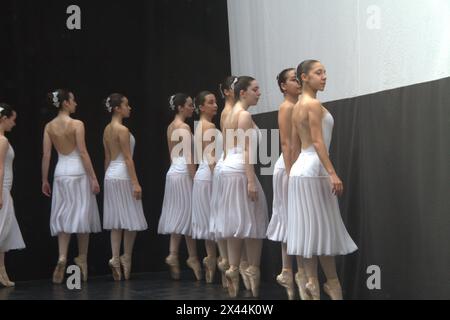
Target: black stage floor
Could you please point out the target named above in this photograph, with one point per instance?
(145, 286)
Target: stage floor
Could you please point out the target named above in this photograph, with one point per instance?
(145, 286)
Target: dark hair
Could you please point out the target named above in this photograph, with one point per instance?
(226, 85)
(7, 110)
(283, 77)
(304, 68)
(57, 97)
(113, 101)
(243, 83)
(177, 100)
(200, 100)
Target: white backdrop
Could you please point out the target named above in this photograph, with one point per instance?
(367, 46)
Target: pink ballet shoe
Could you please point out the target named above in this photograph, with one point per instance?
(286, 280)
(194, 264)
(210, 269)
(242, 267)
(114, 264)
(125, 262)
(81, 262)
(232, 275)
(4, 279)
(254, 275)
(312, 289)
(60, 269)
(223, 266)
(333, 289)
(301, 280)
(174, 266)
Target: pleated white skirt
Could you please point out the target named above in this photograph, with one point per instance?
(176, 215)
(201, 210)
(315, 224)
(121, 210)
(238, 216)
(10, 235)
(277, 230)
(216, 192)
(74, 206)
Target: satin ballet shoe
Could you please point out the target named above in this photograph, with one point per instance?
(313, 289)
(286, 280)
(81, 262)
(60, 269)
(4, 279)
(301, 280)
(242, 267)
(114, 264)
(210, 269)
(125, 262)
(194, 264)
(333, 289)
(174, 266)
(223, 266)
(232, 276)
(254, 275)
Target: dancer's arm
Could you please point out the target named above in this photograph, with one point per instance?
(245, 123)
(211, 156)
(107, 153)
(284, 124)
(3, 150)
(295, 146)
(187, 149)
(85, 158)
(125, 147)
(47, 153)
(315, 114)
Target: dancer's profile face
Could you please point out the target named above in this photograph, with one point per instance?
(124, 109)
(10, 122)
(188, 109)
(210, 106)
(253, 93)
(292, 85)
(71, 104)
(317, 77)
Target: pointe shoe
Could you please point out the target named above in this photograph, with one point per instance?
(81, 262)
(254, 275)
(286, 280)
(301, 280)
(125, 262)
(174, 265)
(194, 264)
(210, 269)
(223, 266)
(232, 276)
(4, 279)
(242, 267)
(60, 269)
(333, 289)
(114, 264)
(313, 289)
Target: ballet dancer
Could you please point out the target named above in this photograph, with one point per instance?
(122, 206)
(74, 207)
(315, 226)
(10, 235)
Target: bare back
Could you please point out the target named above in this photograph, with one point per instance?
(232, 123)
(176, 125)
(301, 121)
(62, 133)
(111, 138)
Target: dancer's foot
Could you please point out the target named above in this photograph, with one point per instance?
(60, 269)
(313, 288)
(242, 267)
(210, 269)
(81, 262)
(286, 280)
(333, 288)
(254, 275)
(232, 275)
(4, 279)
(194, 264)
(114, 264)
(301, 280)
(223, 266)
(125, 262)
(174, 265)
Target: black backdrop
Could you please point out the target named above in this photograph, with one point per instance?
(147, 50)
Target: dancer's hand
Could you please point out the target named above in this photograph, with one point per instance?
(46, 189)
(95, 187)
(137, 192)
(252, 192)
(337, 185)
